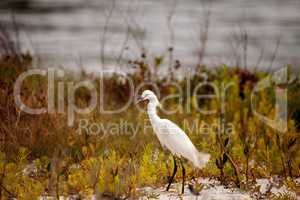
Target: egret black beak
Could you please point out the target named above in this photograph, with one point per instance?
(139, 99)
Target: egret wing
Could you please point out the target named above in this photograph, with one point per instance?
(179, 143)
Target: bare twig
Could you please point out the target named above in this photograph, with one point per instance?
(273, 57)
(120, 56)
(238, 44)
(10, 41)
(235, 168)
(204, 29)
(134, 25)
(244, 38)
(172, 38)
(261, 55)
(103, 36)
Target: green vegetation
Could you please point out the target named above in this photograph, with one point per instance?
(42, 155)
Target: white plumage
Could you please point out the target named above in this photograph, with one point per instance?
(171, 136)
(174, 139)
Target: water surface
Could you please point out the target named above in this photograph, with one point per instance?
(69, 33)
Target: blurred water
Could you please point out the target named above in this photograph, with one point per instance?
(69, 33)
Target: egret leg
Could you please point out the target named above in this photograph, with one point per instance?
(183, 176)
(173, 175)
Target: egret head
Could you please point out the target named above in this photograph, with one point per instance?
(150, 96)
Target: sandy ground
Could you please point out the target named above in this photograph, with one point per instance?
(212, 190)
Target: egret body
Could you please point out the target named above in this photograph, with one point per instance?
(173, 138)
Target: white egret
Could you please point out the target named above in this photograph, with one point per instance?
(173, 138)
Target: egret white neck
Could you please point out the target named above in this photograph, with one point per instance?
(151, 110)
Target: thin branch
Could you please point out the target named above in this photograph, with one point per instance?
(172, 39)
(274, 53)
(103, 37)
(235, 168)
(7, 191)
(120, 56)
(259, 59)
(244, 38)
(204, 29)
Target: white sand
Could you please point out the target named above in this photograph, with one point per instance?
(213, 191)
